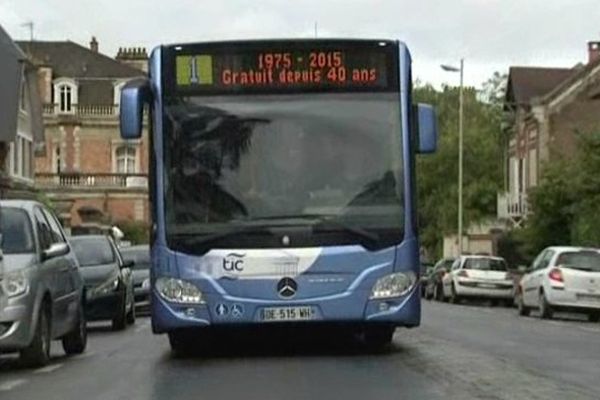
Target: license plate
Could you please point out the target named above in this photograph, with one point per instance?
(487, 286)
(276, 314)
(589, 297)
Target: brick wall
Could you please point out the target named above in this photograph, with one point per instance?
(581, 115)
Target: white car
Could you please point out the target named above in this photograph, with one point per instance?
(478, 277)
(562, 278)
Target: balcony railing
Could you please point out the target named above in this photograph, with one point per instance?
(83, 110)
(92, 181)
(512, 205)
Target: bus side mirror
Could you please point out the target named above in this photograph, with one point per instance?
(426, 122)
(134, 95)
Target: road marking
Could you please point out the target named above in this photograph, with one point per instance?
(10, 385)
(48, 369)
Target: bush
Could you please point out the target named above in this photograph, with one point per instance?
(135, 232)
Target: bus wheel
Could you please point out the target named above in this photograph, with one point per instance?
(378, 337)
(180, 343)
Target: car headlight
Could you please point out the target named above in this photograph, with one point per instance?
(106, 287)
(178, 291)
(394, 285)
(146, 284)
(15, 284)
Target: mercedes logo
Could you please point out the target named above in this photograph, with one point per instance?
(287, 288)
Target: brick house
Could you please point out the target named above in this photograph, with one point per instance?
(93, 177)
(547, 107)
(21, 126)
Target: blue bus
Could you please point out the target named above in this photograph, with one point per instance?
(282, 185)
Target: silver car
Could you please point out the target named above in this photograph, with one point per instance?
(41, 289)
(140, 256)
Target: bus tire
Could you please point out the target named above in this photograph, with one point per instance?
(179, 342)
(378, 337)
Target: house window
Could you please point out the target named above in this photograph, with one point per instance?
(21, 156)
(126, 159)
(65, 98)
(23, 97)
(532, 167)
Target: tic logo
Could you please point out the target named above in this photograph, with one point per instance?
(233, 262)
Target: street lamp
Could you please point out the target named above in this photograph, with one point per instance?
(460, 69)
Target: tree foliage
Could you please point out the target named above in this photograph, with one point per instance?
(566, 203)
(438, 173)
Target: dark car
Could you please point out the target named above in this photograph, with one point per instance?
(434, 288)
(108, 280)
(140, 256)
(426, 268)
(41, 288)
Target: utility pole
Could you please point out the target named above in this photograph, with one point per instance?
(316, 29)
(460, 159)
(460, 70)
(30, 26)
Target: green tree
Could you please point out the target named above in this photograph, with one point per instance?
(438, 173)
(566, 204)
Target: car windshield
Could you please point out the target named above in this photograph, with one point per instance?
(93, 251)
(140, 257)
(17, 235)
(485, 264)
(586, 260)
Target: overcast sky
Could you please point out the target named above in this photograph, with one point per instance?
(489, 34)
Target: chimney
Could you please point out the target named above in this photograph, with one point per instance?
(136, 57)
(94, 44)
(593, 51)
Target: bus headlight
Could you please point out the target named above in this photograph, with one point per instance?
(393, 285)
(178, 291)
(15, 284)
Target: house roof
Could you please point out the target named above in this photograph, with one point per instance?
(591, 68)
(11, 70)
(526, 83)
(95, 92)
(71, 60)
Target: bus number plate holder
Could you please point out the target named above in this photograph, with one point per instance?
(283, 314)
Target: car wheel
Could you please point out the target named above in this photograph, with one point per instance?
(378, 337)
(75, 341)
(438, 292)
(594, 316)
(545, 308)
(37, 354)
(523, 309)
(119, 321)
(131, 314)
(454, 297)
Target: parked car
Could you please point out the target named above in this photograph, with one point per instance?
(562, 278)
(426, 268)
(433, 288)
(41, 288)
(140, 256)
(478, 277)
(108, 280)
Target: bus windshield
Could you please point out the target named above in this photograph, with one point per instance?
(277, 158)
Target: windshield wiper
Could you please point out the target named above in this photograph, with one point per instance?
(324, 221)
(201, 238)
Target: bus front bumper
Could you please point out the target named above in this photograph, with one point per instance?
(350, 308)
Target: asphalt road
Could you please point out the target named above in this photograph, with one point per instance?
(460, 352)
